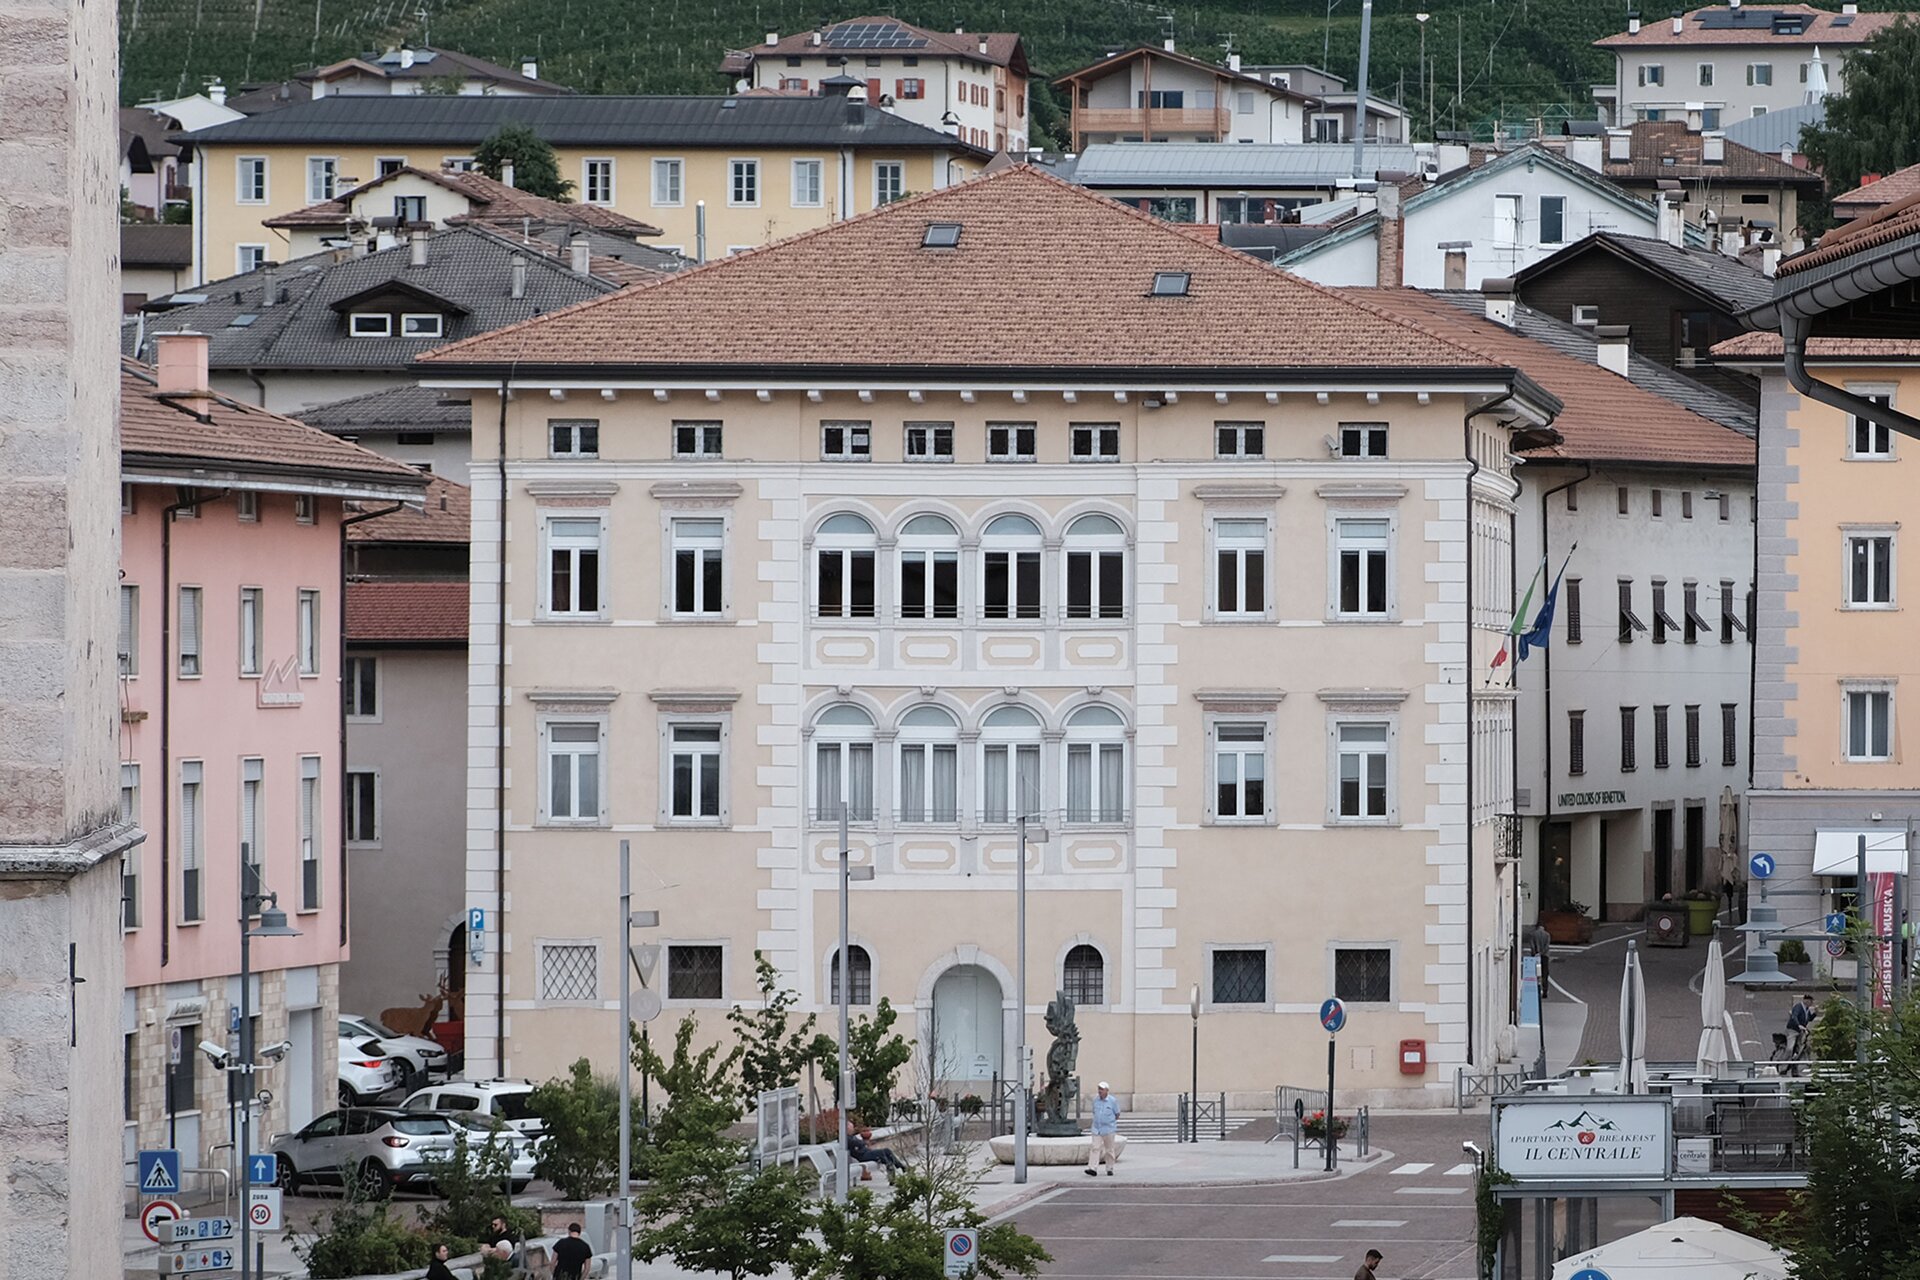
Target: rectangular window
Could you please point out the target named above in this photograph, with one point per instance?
(1692, 623)
(1686, 504)
(696, 439)
(667, 176)
(1576, 743)
(370, 324)
(1239, 439)
(182, 1087)
(252, 823)
(846, 441)
(573, 565)
(807, 188)
(1553, 219)
(743, 186)
(1729, 615)
(250, 179)
(250, 606)
(694, 973)
(362, 688)
(1363, 975)
(573, 437)
(1657, 504)
(130, 860)
(309, 631)
(1869, 439)
(843, 774)
(409, 209)
(694, 770)
(1009, 780)
(1870, 571)
(929, 782)
(1240, 568)
(323, 173)
(1706, 75)
(1363, 771)
(1660, 758)
(193, 841)
(1010, 583)
(310, 799)
(910, 88)
(1096, 782)
(597, 186)
(1693, 735)
(425, 324)
(1363, 439)
(1869, 724)
(189, 623)
(573, 772)
(127, 647)
(1239, 772)
(1760, 73)
(929, 583)
(363, 807)
(1573, 610)
(1629, 620)
(1628, 761)
(1506, 220)
(1710, 121)
(1652, 73)
(1010, 441)
(1362, 549)
(929, 442)
(1096, 584)
(569, 971)
(249, 257)
(303, 508)
(246, 506)
(1239, 977)
(844, 583)
(698, 559)
(1096, 442)
(1729, 731)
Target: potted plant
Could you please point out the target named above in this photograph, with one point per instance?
(1315, 1126)
(972, 1104)
(1568, 924)
(1702, 906)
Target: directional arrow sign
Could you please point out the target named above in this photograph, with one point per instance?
(180, 1264)
(261, 1170)
(198, 1230)
(1760, 866)
(1836, 922)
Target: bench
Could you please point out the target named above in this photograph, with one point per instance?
(1774, 1127)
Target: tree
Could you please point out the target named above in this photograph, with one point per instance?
(580, 1154)
(1874, 127)
(708, 1211)
(703, 1095)
(903, 1237)
(875, 1056)
(536, 170)
(772, 1055)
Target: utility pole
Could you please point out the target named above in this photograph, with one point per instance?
(623, 1054)
(1360, 95)
(1020, 1010)
(845, 972)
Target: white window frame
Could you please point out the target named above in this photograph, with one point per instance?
(192, 840)
(846, 544)
(1364, 434)
(1265, 1003)
(1012, 431)
(1851, 534)
(1339, 541)
(127, 650)
(856, 440)
(695, 751)
(1095, 741)
(588, 181)
(841, 740)
(1652, 74)
(252, 620)
(1336, 752)
(674, 170)
(695, 1002)
(362, 673)
(551, 541)
(738, 168)
(384, 165)
(1704, 74)
(370, 324)
(307, 629)
(354, 788)
(241, 186)
(798, 196)
(576, 437)
(1234, 542)
(190, 654)
(691, 533)
(575, 752)
(705, 432)
(422, 324)
(1867, 689)
(246, 506)
(303, 508)
(248, 258)
(930, 549)
(330, 187)
(832, 968)
(540, 948)
(1543, 219)
(1336, 945)
(1097, 546)
(1096, 435)
(1760, 74)
(1876, 432)
(130, 903)
(927, 435)
(312, 821)
(1011, 739)
(1014, 546)
(924, 740)
(1241, 749)
(459, 164)
(248, 842)
(1517, 204)
(1238, 432)
(889, 175)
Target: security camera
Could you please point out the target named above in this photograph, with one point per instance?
(216, 1054)
(1333, 446)
(275, 1052)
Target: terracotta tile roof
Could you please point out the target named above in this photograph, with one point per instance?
(1883, 226)
(1711, 26)
(1045, 276)
(446, 515)
(1603, 415)
(160, 431)
(1665, 149)
(1098, 70)
(492, 203)
(1762, 345)
(1002, 46)
(1883, 191)
(407, 612)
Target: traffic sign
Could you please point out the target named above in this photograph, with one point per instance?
(261, 1169)
(646, 1004)
(1760, 866)
(197, 1230)
(1333, 1016)
(263, 1208)
(477, 934)
(1836, 922)
(156, 1215)
(1591, 1273)
(192, 1260)
(1836, 947)
(174, 1042)
(962, 1245)
(159, 1172)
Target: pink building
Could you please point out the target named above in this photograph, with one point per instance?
(230, 741)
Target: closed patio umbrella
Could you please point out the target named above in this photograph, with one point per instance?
(1633, 1024)
(1684, 1247)
(1715, 1047)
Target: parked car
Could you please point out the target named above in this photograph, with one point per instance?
(378, 1148)
(416, 1059)
(366, 1074)
(504, 1100)
(483, 1129)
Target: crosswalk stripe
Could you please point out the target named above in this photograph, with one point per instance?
(1432, 1191)
(1303, 1257)
(1413, 1168)
(1370, 1222)
(1460, 1170)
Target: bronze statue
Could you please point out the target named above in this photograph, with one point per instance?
(1062, 1056)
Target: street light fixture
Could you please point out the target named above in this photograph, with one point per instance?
(1023, 1091)
(1421, 18)
(629, 921)
(1193, 1111)
(273, 924)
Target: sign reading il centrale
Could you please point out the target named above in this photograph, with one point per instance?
(1583, 1136)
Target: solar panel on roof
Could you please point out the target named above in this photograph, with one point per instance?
(874, 35)
(1741, 19)
(1844, 20)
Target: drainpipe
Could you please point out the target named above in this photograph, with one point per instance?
(1546, 723)
(166, 730)
(345, 522)
(500, 748)
(1794, 332)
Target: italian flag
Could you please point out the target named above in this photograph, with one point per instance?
(1518, 627)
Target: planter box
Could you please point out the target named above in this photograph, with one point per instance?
(1569, 928)
(1700, 914)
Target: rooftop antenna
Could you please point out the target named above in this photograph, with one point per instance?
(1166, 28)
(426, 29)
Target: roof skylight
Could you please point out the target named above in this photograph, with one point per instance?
(1170, 284)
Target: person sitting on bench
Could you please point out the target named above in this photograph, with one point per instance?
(858, 1149)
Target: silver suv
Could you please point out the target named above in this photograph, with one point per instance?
(379, 1148)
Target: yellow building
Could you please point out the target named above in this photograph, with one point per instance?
(761, 167)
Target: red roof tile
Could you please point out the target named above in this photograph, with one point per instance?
(1001, 45)
(1667, 149)
(1897, 185)
(446, 515)
(1046, 276)
(491, 203)
(1821, 29)
(1762, 345)
(407, 612)
(1883, 226)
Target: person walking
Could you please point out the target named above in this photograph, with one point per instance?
(1370, 1268)
(571, 1255)
(1104, 1141)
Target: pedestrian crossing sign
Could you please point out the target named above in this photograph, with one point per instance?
(159, 1172)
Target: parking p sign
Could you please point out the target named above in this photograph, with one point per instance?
(962, 1245)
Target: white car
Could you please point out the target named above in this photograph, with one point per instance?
(503, 1100)
(481, 1130)
(416, 1059)
(366, 1075)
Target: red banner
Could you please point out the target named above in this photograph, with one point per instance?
(1886, 928)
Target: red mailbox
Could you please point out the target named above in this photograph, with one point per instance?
(1413, 1057)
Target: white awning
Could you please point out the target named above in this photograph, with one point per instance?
(1837, 853)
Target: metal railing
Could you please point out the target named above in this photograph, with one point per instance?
(1287, 1116)
(1204, 1116)
(1470, 1087)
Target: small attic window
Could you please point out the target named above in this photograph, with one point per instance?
(941, 235)
(371, 324)
(1170, 284)
(241, 322)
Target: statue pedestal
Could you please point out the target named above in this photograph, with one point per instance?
(1051, 1150)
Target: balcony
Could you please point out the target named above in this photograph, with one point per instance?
(1150, 121)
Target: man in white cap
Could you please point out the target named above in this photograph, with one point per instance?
(1105, 1138)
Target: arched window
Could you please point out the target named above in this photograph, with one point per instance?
(1096, 766)
(860, 969)
(1010, 568)
(929, 569)
(1096, 568)
(843, 764)
(843, 558)
(1009, 765)
(929, 747)
(1084, 975)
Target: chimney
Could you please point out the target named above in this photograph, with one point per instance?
(1868, 178)
(1713, 148)
(319, 88)
(217, 93)
(1612, 342)
(1233, 62)
(417, 243)
(1633, 22)
(1680, 23)
(773, 38)
(1619, 145)
(857, 93)
(1390, 239)
(1456, 265)
(1167, 44)
(580, 254)
(1498, 292)
(983, 46)
(1770, 259)
(1696, 112)
(406, 58)
(1733, 4)
(1669, 222)
(529, 68)
(506, 172)
(182, 361)
(1849, 8)
(816, 39)
(519, 289)
(269, 284)
(1585, 152)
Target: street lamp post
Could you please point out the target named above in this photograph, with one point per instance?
(1023, 1089)
(273, 924)
(623, 1054)
(1193, 1112)
(843, 973)
(1421, 18)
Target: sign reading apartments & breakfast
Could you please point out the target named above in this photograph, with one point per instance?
(1583, 1136)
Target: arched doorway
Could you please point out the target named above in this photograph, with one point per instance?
(969, 1025)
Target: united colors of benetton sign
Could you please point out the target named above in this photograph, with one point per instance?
(1583, 1136)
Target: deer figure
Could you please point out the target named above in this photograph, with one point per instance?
(414, 1022)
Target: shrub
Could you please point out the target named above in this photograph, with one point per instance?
(580, 1155)
(367, 1237)
(876, 1055)
(1793, 951)
(772, 1055)
(474, 1181)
